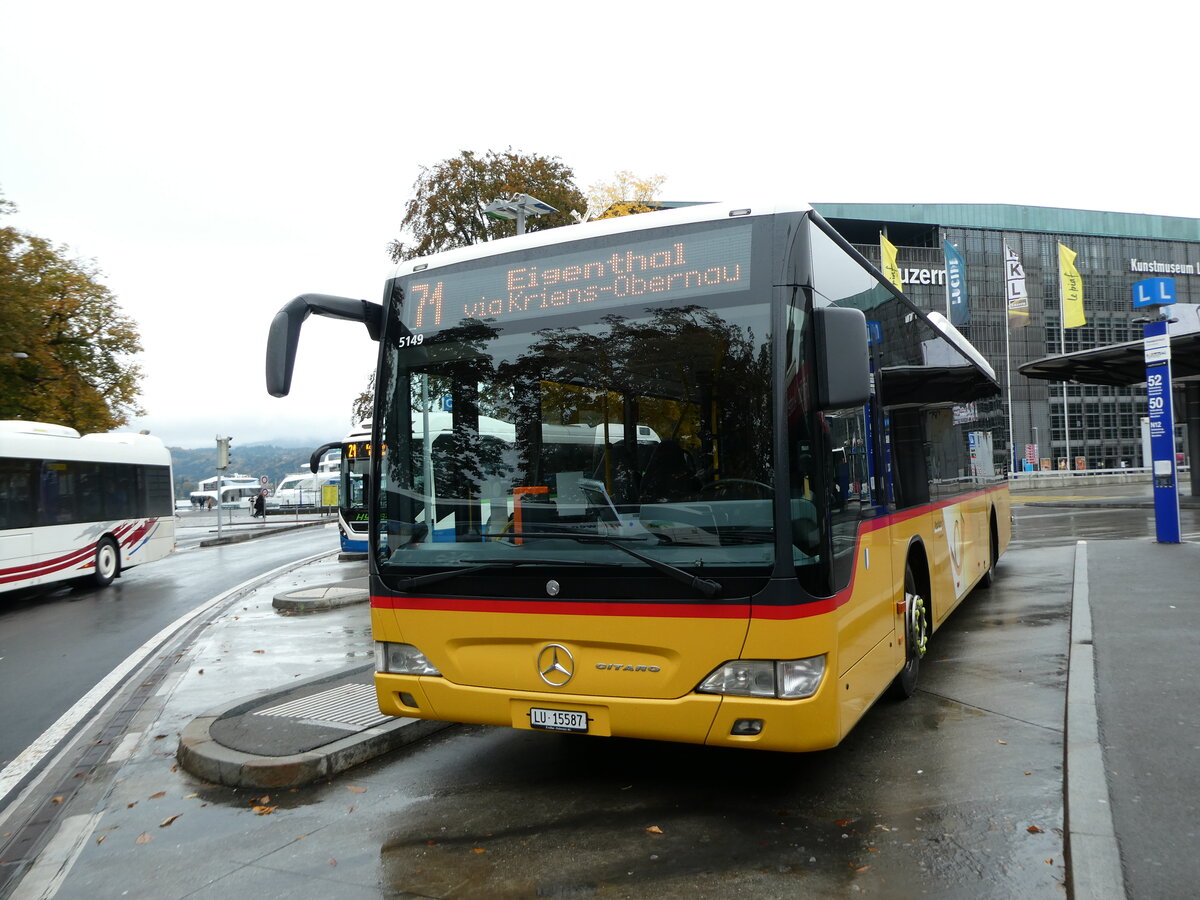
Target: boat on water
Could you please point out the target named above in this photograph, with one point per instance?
(235, 489)
(305, 488)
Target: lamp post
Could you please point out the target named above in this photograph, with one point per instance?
(518, 207)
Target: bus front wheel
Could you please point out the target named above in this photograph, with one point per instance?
(916, 636)
(108, 562)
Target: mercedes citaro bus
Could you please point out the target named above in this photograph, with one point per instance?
(770, 509)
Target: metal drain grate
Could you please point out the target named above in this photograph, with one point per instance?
(351, 705)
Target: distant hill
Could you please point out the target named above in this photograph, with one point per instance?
(256, 459)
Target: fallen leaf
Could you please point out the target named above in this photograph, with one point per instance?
(191, 796)
(143, 838)
(264, 810)
(654, 829)
(159, 737)
(201, 672)
(1033, 829)
(862, 868)
(168, 820)
(332, 861)
(57, 799)
(842, 823)
(260, 651)
(158, 795)
(1050, 861)
(478, 850)
(131, 805)
(356, 789)
(1001, 742)
(100, 839)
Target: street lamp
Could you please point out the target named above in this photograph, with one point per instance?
(518, 207)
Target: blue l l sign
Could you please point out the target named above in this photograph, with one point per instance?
(1153, 292)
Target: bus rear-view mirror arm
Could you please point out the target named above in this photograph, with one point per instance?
(314, 461)
(843, 359)
(284, 336)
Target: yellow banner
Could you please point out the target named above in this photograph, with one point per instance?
(890, 267)
(1072, 288)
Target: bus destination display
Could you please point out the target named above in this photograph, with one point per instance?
(675, 268)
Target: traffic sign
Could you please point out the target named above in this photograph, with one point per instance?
(1153, 292)
(262, 479)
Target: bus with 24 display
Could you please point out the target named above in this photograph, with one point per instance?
(758, 574)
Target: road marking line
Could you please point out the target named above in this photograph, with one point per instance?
(31, 756)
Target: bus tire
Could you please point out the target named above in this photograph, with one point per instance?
(916, 637)
(989, 577)
(108, 562)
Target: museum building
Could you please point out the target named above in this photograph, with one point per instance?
(1114, 250)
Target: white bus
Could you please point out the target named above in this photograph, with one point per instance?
(80, 507)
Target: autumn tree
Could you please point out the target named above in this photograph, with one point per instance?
(625, 195)
(446, 209)
(65, 345)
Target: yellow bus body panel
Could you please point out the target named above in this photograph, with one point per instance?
(635, 675)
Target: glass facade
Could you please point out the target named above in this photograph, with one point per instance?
(1104, 423)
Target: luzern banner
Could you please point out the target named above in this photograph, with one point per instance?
(956, 285)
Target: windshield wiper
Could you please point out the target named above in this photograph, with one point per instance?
(706, 586)
(408, 582)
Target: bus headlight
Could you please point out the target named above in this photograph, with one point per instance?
(786, 679)
(402, 659)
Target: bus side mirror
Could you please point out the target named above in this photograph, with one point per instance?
(314, 461)
(284, 336)
(843, 359)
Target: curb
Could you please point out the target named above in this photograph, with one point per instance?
(1092, 848)
(201, 755)
(319, 599)
(252, 535)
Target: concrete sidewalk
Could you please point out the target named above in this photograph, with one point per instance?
(1133, 769)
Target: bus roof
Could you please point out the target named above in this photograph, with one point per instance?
(40, 440)
(701, 212)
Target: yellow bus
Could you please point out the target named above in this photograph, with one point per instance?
(731, 494)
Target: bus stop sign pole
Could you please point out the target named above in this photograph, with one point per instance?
(1158, 292)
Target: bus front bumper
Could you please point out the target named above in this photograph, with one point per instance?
(715, 720)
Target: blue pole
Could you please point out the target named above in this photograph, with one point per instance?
(1162, 431)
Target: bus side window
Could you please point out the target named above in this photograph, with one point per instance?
(18, 491)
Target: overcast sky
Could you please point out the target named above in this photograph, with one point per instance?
(218, 159)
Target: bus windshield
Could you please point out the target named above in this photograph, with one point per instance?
(648, 430)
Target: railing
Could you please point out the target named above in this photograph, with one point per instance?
(1066, 477)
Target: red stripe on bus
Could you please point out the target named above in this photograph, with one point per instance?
(127, 534)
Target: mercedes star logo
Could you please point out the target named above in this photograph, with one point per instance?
(556, 665)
